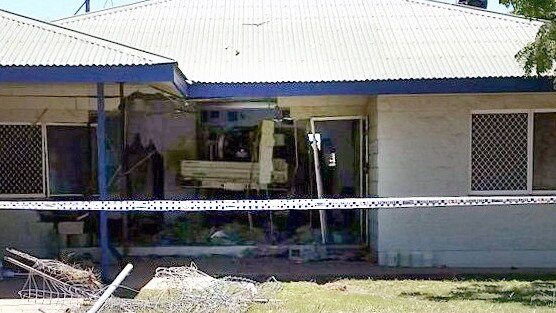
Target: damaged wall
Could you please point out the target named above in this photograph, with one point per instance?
(64, 103)
(304, 108)
(173, 134)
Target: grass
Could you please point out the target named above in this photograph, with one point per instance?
(415, 296)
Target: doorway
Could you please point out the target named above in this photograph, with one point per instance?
(342, 154)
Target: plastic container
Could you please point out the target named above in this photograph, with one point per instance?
(417, 259)
(428, 259)
(392, 259)
(404, 259)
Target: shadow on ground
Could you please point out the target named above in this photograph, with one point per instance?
(538, 293)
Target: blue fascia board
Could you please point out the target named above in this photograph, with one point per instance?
(88, 74)
(416, 86)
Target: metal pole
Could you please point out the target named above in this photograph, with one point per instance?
(125, 187)
(362, 193)
(108, 292)
(318, 178)
(102, 181)
(87, 6)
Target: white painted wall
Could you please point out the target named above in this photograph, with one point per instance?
(23, 230)
(58, 103)
(497, 236)
(372, 137)
(423, 150)
(325, 106)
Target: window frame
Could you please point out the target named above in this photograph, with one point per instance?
(48, 194)
(530, 153)
(44, 179)
(45, 163)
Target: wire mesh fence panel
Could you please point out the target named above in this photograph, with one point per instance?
(189, 290)
(183, 289)
(21, 165)
(499, 152)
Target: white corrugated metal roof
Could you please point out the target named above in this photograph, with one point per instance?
(318, 40)
(28, 42)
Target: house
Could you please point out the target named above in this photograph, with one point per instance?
(399, 98)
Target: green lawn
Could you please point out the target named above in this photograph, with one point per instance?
(414, 296)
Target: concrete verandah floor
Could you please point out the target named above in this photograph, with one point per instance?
(261, 269)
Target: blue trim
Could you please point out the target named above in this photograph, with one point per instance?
(419, 86)
(102, 180)
(88, 74)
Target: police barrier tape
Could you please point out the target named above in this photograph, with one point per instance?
(272, 205)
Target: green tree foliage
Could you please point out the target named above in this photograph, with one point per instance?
(538, 56)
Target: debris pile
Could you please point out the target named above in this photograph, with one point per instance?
(188, 290)
(180, 289)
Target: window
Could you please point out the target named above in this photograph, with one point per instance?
(232, 116)
(41, 160)
(214, 115)
(21, 160)
(204, 116)
(71, 156)
(513, 152)
(544, 151)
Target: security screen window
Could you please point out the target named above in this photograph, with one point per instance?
(509, 155)
(544, 151)
(499, 152)
(21, 160)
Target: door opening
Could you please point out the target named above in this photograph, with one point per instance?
(340, 157)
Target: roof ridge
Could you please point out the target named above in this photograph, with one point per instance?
(77, 35)
(110, 10)
(478, 11)
(436, 3)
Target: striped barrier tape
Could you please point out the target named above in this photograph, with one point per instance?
(272, 205)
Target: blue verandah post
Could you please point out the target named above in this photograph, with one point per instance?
(102, 182)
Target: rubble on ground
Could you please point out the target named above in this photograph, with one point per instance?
(183, 289)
